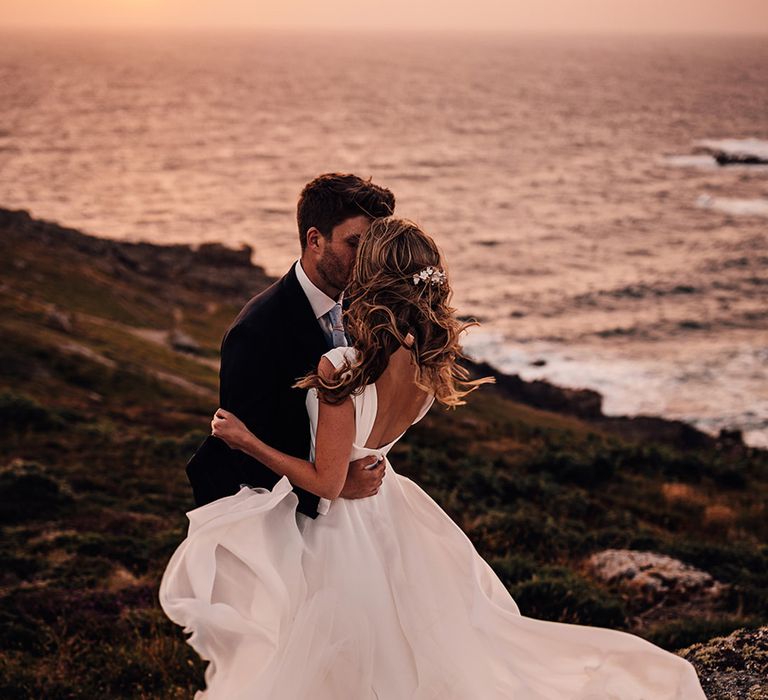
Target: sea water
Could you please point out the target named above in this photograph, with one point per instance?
(564, 178)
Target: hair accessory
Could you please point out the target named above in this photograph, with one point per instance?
(429, 274)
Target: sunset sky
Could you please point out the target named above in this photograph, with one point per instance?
(685, 16)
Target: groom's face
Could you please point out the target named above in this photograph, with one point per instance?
(337, 254)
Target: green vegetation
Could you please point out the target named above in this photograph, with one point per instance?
(98, 420)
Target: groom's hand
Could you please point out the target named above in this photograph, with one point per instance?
(363, 482)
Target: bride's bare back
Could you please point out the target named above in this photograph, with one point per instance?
(399, 400)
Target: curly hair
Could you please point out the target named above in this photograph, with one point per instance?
(385, 304)
(331, 198)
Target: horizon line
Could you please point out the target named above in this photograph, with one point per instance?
(462, 31)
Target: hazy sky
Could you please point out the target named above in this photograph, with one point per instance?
(695, 16)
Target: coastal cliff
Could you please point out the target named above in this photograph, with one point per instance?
(108, 379)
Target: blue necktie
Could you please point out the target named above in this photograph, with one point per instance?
(338, 339)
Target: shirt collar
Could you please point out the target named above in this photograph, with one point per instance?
(320, 302)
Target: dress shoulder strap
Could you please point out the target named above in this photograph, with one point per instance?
(339, 354)
(425, 408)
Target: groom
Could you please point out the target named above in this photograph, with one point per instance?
(279, 336)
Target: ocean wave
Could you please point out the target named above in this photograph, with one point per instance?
(734, 206)
(619, 331)
(688, 161)
(635, 291)
(276, 210)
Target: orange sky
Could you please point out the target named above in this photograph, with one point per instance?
(694, 16)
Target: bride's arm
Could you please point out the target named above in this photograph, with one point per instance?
(333, 446)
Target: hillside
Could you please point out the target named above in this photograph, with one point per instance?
(108, 379)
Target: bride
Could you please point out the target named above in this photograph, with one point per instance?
(382, 598)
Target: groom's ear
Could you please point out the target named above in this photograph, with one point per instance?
(313, 239)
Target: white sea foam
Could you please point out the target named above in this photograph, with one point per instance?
(688, 161)
(733, 205)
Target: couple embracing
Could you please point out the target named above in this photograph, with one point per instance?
(312, 570)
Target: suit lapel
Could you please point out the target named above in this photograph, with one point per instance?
(300, 320)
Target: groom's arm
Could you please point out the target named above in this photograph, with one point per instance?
(247, 380)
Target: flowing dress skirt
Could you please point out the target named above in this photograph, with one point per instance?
(383, 598)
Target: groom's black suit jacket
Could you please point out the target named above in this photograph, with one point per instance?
(274, 340)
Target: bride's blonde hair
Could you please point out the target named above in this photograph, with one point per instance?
(385, 304)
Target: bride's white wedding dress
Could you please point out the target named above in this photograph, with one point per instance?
(382, 598)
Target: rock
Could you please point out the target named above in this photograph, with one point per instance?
(583, 403)
(587, 405)
(730, 437)
(733, 667)
(59, 320)
(652, 428)
(649, 577)
(724, 158)
(226, 272)
(179, 340)
(735, 151)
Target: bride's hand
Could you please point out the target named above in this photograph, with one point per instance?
(229, 428)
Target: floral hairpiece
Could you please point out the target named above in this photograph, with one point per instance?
(429, 274)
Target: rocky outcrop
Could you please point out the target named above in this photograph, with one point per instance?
(582, 403)
(735, 151)
(733, 667)
(724, 158)
(586, 404)
(211, 267)
(649, 578)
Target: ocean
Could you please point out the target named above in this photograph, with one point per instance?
(562, 177)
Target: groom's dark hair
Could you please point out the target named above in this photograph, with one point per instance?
(334, 197)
